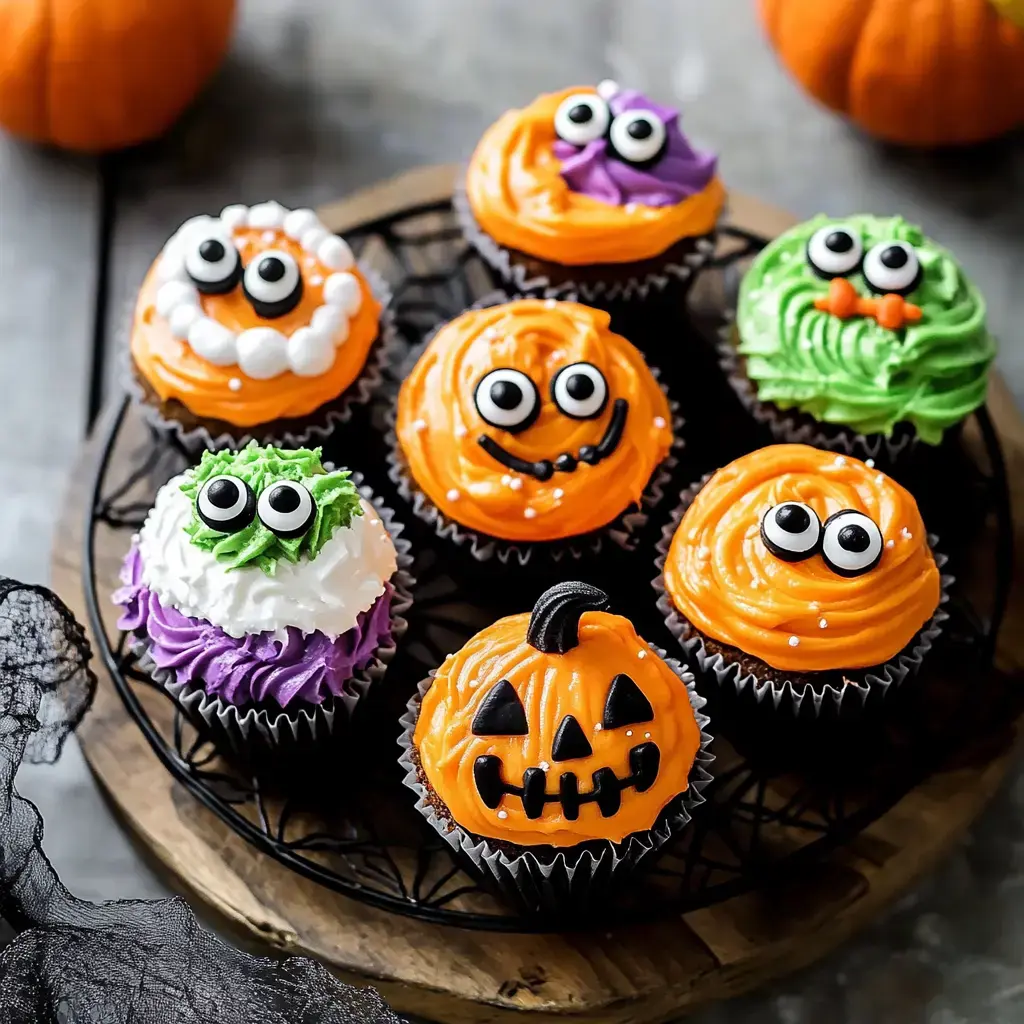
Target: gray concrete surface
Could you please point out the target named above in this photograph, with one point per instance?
(324, 96)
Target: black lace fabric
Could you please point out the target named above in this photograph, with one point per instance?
(67, 961)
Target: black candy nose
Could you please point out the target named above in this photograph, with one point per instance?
(570, 741)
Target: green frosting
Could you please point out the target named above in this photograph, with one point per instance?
(853, 372)
(334, 495)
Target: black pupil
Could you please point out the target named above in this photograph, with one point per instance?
(581, 114)
(212, 251)
(853, 538)
(792, 519)
(506, 395)
(284, 499)
(222, 493)
(839, 241)
(894, 257)
(271, 269)
(579, 386)
(640, 129)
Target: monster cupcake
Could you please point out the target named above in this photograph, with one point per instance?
(557, 750)
(591, 191)
(861, 336)
(265, 594)
(795, 573)
(255, 325)
(529, 426)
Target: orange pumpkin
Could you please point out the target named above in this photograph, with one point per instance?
(97, 75)
(928, 73)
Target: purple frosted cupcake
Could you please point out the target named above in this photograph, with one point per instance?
(265, 594)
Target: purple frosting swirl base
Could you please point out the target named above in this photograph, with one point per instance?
(253, 669)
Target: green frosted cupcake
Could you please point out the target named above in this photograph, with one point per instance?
(859, 335)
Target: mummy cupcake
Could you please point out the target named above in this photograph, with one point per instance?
(594, 191)
(255, 325)
(796, 572)
(265, 593)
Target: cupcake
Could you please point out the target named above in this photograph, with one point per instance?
(591, 191)
(265, 594)
(256, 325)
(530, 425)
(861, 336)
(795, 572)
(557, 750)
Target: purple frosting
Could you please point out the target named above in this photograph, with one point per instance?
(681, 171)
(255, 668)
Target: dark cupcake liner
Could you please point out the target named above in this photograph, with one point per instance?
(551, 880)
(849, 700)
(297, 432)
(241, 729)
(625, 283)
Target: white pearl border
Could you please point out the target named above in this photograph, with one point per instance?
(262, 353)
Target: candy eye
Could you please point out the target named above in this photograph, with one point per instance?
(580, 391)
(834, 251)
(287, 509)
(637, 136)
(791, 531)
(582, 118)
(507, 399)
(213, 264)
(273, 284)
(892, 268)
(226, 504)
(851, 543)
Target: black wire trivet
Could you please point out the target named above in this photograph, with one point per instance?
(785, 794)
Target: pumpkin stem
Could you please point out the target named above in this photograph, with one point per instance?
(555, 622)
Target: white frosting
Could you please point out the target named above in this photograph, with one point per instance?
(326, 594)
(312, 353)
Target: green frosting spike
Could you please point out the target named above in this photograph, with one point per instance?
(854, 372)
(334, 495)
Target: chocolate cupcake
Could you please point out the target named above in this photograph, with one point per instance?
(567, 693)
(802, 576)
(265, 594)
(256, 325)
(594, 192)
(859, 335)
(529, 429)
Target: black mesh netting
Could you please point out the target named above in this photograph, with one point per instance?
(129, 962)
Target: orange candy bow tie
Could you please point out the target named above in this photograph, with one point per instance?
(891, 311)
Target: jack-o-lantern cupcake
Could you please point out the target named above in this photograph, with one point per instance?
(860, 335)
(557, 750)
(593, 191)
(531, 425)
(796, 572)
(256, 325)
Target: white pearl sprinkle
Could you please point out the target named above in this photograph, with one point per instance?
(630, 207)
(503, 815)
(516, 483)
(794, 641)
(235, 384)
(558, 493)
(598, 727)
(840, 460)
(647, 735)
(419, 426)
(550, 303)
(659, 422)
(505, 480)
(641, 655)
(823, 623)
(453, 495)
(529, 512)
(870, 463)
(629, 732)
(890, 543)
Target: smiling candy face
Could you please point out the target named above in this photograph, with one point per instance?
(865, 322)
(553, 728)
(257, 315)
(532, 421)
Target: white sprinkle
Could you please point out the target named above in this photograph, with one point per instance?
(315, 280)
(516, 483)
(419, 426)
(823, 623)
(794, 641)
(630, 207)
(629, 732)
(269, 236)
(453, 494)
(840, 460)
(870, 463)
(503, 815)
(659, 422)
(607, 88)
(558, 493)
(235, 384)
(505, 480)
(550, 303)
(647, 735)
(641, 654)
(529, 512)
(598, 727)
(544, 766)
(890, 543)
(460, 431)
(906, 533)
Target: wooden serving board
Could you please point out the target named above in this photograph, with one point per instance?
(638, 974)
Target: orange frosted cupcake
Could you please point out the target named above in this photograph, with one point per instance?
(256, 324)
(530, 424)
(591, 190)
(796, 571)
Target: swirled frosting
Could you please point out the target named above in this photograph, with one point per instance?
(801, 616)
(254, 668)
(581, 212)
(439, 425)
(851, 370)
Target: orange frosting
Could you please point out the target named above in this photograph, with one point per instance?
(175, 371)
(550, 687)
(722, 578)
(439, 424)
(520, 199)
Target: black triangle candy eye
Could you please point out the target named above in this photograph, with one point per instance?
(626, 704)
(501, 713)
